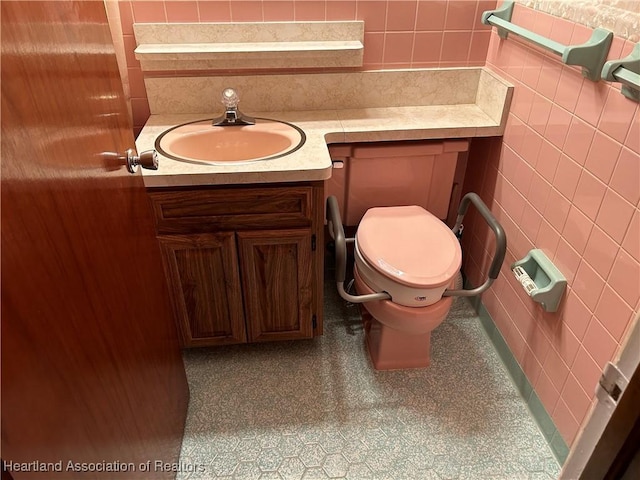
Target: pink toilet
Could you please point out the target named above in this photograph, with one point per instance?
(407, 260)
(412, 255)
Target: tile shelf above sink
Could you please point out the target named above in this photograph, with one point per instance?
(264, 45)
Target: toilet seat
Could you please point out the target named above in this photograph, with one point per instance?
(407, 252)
(401, 317)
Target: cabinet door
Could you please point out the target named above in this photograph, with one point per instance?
(202, 271)
(277, 283)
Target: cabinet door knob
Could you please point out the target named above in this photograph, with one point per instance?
(147, 159)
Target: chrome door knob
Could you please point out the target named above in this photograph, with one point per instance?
(147, 159)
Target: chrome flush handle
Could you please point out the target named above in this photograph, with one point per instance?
(147, 159)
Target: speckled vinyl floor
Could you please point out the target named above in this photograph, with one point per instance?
(316, 409)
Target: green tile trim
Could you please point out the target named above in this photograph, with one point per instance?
(539, 413)
(559, 447)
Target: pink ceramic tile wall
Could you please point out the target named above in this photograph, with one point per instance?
(565, 179)
(398, 33)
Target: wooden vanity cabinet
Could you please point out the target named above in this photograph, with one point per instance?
(277, 282)
(243, 264)
(204, 283)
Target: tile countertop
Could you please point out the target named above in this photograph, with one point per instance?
(486, 117)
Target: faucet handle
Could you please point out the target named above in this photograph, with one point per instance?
(230, 98)
(232, 116)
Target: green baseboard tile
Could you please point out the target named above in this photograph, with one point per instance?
(517, 375)
(520, 380)
(545, 422)
(487, 324)
(559, 448)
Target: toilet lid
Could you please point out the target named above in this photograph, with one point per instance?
(409, 245)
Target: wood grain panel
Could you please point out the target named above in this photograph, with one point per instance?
(202, 271)
(91, 366)
(277, 284)
(220, 208)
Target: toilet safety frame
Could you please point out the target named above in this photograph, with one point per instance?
(336, 230)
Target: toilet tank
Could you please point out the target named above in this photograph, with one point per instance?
(427, 173)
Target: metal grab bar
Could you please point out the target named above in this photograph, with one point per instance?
(501, 243)
(591, 55)
(336, 230)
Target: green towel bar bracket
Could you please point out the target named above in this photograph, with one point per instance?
(541, 279)
(627, 72)
(591, 55)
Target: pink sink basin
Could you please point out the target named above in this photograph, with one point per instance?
(200, 142)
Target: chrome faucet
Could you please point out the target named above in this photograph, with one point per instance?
(232, 116)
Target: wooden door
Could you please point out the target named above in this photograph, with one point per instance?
(277, 277)
(202, 272)
(91, 367)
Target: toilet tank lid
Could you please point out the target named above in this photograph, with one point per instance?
(409, 245)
